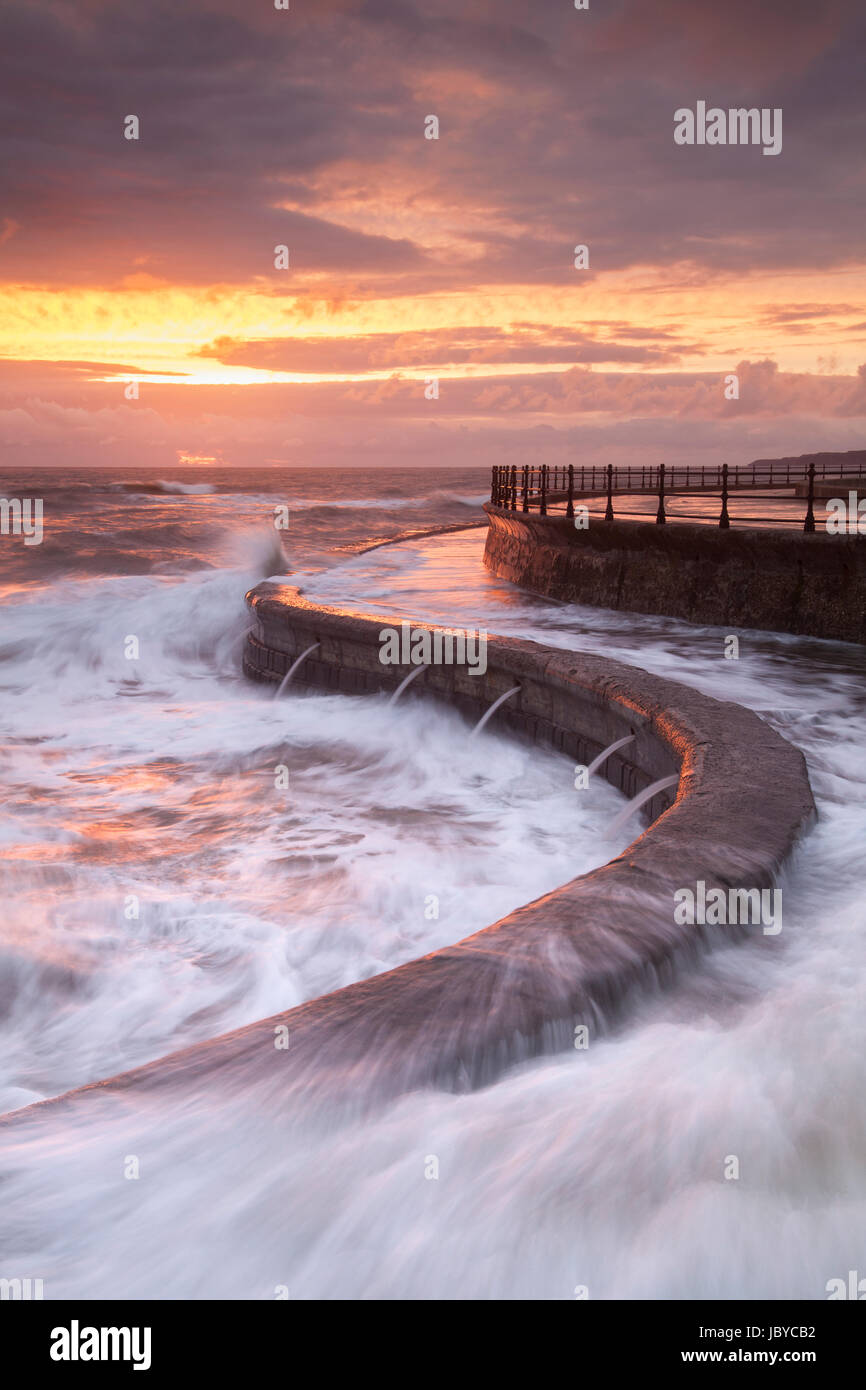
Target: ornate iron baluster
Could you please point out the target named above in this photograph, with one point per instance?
(661, 517)
(724, 519)
(809, 523)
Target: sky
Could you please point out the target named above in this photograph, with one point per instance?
(431, 312)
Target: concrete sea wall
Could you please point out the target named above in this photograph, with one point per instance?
(782, 581)
(458, 1017)
(520, 985)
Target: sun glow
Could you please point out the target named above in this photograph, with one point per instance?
(173, 334)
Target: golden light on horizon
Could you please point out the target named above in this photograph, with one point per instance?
(162, 332)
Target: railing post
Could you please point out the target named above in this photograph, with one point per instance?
(809, 523)
(661, 518)
(493, 485)
(544, 476)
(569, 511)
(526, 487)
(724, 519)
(514, 487)
(608, 512)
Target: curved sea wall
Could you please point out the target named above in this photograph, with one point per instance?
(520, 986)
(781, 581)
(458, 1017)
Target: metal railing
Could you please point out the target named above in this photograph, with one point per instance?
(542, 488)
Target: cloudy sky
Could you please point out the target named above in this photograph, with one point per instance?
(153, 260)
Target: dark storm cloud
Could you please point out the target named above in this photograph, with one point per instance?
(231, 125)
(556, 128)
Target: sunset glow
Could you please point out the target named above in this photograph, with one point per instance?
(432, 674)
(155, 259)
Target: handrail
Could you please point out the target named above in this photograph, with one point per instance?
(543, 487)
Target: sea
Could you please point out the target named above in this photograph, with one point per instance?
(159, 890)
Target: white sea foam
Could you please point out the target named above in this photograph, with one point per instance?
(605, 1167)
(155, 777)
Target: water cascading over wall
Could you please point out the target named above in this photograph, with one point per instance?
(458, 1017)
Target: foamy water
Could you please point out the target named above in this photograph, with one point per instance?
(602, 1168)
(165, 886)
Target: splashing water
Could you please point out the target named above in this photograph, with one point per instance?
(406, 681)
(299, 661)
(488, 714)
(605, 754)
(604, 1167)
(661, 785)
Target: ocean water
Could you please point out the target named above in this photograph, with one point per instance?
(160, 887)
(146, 787)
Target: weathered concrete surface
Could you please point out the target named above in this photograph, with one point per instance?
(459, 1016)
(830, 487)
(782, 581)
